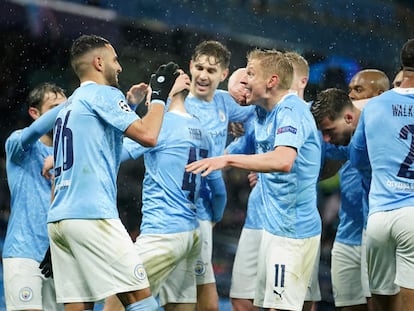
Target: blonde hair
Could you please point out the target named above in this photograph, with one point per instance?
(299, 63)
(274, 62)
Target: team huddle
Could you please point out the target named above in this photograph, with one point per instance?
(66, 246)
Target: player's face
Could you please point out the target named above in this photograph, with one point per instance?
(206, 75)
(238, 88)
(398, 79)
(112, 67)
(256, 84)
(51, 100)
(360, 88)
(337, 132)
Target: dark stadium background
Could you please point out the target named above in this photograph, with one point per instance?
(338, 38)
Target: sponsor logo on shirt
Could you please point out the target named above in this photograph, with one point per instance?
(195, 133)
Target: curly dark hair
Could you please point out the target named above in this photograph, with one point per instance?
(329, 104)
(213, 49)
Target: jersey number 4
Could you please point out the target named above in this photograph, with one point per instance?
(189, 179)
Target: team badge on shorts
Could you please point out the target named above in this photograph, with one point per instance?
(140, 272)
(200, 268)
(124, 106)
(26, 294)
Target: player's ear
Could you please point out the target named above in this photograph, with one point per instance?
(224, 74)
(273, 81)
(349, 117)
(97, 62)
(304, 81)
(34, 113)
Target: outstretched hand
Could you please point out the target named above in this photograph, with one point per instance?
(137, 93)
(206, 166)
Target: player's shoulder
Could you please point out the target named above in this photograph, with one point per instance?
(14, 136)
(98, 89)
(223, 96)
(292, 102)
(382, 98)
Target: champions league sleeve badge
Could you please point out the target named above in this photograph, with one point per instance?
(124, 106)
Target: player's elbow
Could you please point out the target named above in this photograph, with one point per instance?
(142, 135)
(148, 140)
(282, 166)
(286, 167)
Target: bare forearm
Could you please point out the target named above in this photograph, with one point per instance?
(146, 130)
(279, 160)
(265, 162)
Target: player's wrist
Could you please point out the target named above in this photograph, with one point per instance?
(158, 102)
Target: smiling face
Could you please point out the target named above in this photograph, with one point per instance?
(256, 84)
(206, 75)
(112, 67)
(237, 86)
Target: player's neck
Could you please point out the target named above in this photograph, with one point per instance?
(274, 100)
(99, 79)
(205, 97)
(177, 105)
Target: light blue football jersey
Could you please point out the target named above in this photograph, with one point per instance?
(245, 144)
(385, 132)
(169, 193)
(30, 193)
(88, 138)
(351, 219)
(290, 199)
(352, 211)
(215, 117)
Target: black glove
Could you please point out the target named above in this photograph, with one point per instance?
(46, 265)
(162, 81)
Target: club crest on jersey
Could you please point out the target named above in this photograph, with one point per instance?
(124, 106)
(200, 268)
(222, 116)
(269, 129)
(285, 129)
(140, 272)
(26, 294)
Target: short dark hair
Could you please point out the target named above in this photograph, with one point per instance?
(83, 45)
(213, 49)
(37, 94)
(329, 104)
(407, 55)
